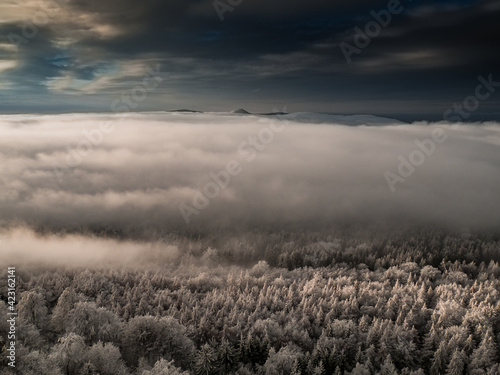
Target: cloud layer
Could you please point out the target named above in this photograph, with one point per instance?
(426, 58)
(137, 177)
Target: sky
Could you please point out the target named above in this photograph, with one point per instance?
(85, 55)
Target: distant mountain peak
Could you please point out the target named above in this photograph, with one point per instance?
(242, 111)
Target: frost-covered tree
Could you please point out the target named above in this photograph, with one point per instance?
(206, 361)
(154, 338)
(93, 323)
(484, 356)
(281, 362)
(32, 309)
(106, 359)
(163, 367)
(457, 363)
(65, 304)
(388, 367)
(36, 362)
(70, 353)
(360, 369)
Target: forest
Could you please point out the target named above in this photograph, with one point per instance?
(409, 303)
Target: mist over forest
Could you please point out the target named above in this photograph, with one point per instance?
(203, 243)
(411, 303)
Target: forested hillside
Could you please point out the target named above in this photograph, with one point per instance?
(413, 303)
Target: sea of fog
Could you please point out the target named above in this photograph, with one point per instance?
(188, 172)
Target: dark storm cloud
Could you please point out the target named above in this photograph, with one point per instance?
(431, 52)
(192, 28)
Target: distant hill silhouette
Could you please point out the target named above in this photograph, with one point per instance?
(241, 111)
(274, 113)
(186, 110)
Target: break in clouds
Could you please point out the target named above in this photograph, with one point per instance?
(163, 172)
